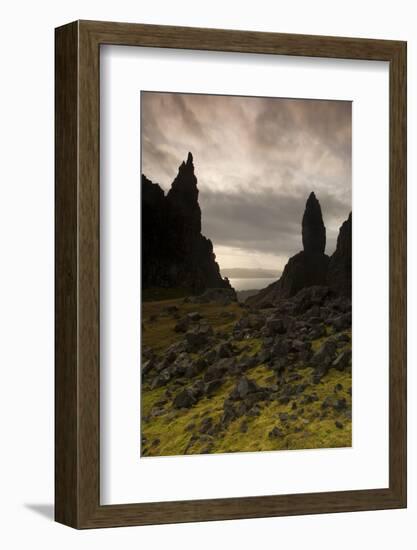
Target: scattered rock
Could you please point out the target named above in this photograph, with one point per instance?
(274, 326)
(147, 366)
(275, 433)
(327, 402)
(244, 387)
(183, 325)
(243, 428)
(246, 362)
(184, 400)
(194, 316)
(343, 360)
(325, 354)
(197, 339)
(212, 386)
(224, 350)
(219, 369)
(171, 310)
(205, 425)
(229, 413)
(161, 379)
(340, 404)
(342, 322)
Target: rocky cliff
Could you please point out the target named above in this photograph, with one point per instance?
(339, 276)
(174, 252)
(312, 266)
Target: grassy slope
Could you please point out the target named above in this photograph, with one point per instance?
(170, 433)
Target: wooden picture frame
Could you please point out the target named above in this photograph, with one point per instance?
(77, 382)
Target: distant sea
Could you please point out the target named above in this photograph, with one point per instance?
(251, 283)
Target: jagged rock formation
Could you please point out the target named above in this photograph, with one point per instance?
(313, 230)
(307, 268)
(339, 276)
(174, 252)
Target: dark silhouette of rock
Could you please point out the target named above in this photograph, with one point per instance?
(307, 268)
(182, 200)
(174, 252)
(313, 230)
(154, 230)
(340, 266)
(301, 271)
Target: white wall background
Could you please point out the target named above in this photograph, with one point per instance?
(26, 272)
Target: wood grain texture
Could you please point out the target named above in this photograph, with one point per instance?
(78, 284)
(66, 237)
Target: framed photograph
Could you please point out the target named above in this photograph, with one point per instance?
(230, 274)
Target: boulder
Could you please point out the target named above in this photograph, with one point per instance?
(218, 369)
(342, 322)
(343, 360)
(184, 400)
(198, 338)
(161, 379)
(229, 413)
(275, 433)
(246, 362)
(194, 316)
(212, 387)
(243, 387)
(183, 325)
(274, 326)
(325, 354)
(224, 350)
(147, 366)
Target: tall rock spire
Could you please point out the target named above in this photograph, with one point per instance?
(314, 232)
(174, 252)
(183, 197)
(185, 180)
(308, 267)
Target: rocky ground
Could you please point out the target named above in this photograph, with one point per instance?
(219, 376)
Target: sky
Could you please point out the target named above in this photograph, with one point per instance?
(256, 161)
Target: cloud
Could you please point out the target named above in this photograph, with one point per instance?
(267, 221)
(256, 160)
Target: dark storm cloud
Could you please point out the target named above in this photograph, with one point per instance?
(290, 125)
(268, 222)
(256, 160)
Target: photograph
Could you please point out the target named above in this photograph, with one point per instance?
(246, 274)
(200, 349)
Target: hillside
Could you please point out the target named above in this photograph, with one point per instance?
(220, 377)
